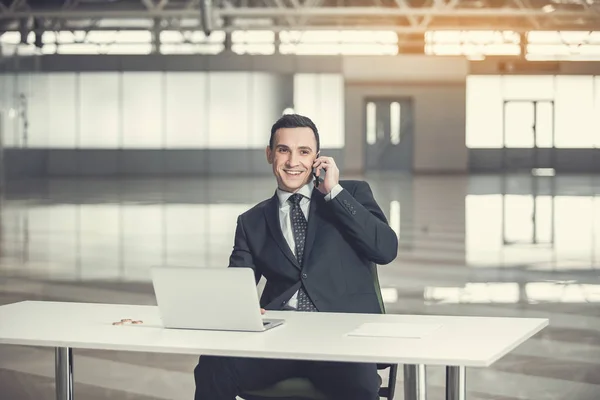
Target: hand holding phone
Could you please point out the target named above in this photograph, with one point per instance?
(326, 174)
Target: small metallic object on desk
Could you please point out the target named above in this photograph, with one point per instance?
(128, 321)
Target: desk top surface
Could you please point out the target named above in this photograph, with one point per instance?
(465, 341)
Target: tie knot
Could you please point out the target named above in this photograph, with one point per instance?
(295, 199)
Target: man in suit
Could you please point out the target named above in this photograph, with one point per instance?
(315, 243)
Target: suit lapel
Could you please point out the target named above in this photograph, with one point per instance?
(272, 216)
(314, 221)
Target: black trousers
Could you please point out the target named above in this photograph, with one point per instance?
(222, 378)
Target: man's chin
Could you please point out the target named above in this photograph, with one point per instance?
(292, 185)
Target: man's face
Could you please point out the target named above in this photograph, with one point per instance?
(292, 157)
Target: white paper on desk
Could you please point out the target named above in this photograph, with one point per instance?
(395, 330)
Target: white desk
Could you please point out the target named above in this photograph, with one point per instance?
(459, 343)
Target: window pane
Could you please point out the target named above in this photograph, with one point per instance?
(19, 113)
(371, 123)
(142, 110)
(186, 109)
(62, 118)
(228, 109)
(99, 110)
(269, 99)
(36, 103)
(574, 111)
(330, 117)
(305, 94)
(544, 123)
(484, 112)
(395, 122)
(9, 108)
(518, 124)
(321, 98)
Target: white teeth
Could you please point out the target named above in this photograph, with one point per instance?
(293, 172)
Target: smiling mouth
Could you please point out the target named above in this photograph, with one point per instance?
(293, 173)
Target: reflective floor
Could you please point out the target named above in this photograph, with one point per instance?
(469, 245)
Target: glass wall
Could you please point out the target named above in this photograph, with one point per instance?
(567, 107)
(162, 110)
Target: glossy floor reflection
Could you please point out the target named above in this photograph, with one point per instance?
(478, 245)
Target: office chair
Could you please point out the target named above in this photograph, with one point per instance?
(303, 389)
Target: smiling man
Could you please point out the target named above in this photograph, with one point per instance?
(316, 247)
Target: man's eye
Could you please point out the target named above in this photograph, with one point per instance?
(282, 150)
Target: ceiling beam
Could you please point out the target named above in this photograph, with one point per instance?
(336, 12)
(303, 27)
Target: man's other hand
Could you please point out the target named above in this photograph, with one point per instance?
(262, 311)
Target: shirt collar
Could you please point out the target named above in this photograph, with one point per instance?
(305, 191)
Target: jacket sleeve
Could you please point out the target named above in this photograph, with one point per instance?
(241, 256)
(365, 223)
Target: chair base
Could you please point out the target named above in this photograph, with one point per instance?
(288, 389)
(296, 389)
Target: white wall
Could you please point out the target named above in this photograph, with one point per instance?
(438, 89)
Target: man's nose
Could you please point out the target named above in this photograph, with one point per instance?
(293, 159)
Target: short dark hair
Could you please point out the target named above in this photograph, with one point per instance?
(294, 121)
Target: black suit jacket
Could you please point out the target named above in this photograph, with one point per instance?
(345, 238)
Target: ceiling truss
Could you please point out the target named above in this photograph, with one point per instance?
(403, 16)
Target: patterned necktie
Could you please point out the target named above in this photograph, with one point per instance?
(299, 226)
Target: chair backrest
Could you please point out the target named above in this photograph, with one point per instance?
(377, 288)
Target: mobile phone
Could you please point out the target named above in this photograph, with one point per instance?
(319, 179)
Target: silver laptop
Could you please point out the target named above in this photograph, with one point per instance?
(209, 298)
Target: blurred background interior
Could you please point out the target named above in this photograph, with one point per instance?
(132, 134)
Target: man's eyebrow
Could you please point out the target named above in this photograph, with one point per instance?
(305, 148)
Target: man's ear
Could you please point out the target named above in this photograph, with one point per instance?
(269, 154)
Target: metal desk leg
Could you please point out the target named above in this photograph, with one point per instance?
(415, 384)
(456, 383)
(64, 373)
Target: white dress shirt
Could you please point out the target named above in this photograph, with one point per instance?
(286, 223)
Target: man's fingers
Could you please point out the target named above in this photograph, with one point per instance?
(324, 162)
(262, 310)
